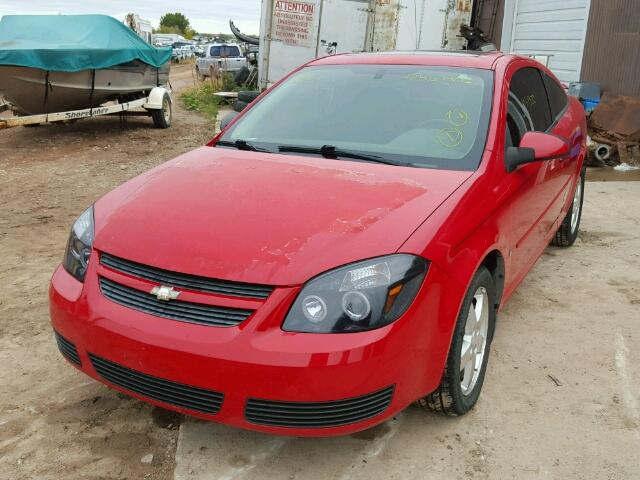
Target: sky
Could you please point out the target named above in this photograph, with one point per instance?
(210, 16)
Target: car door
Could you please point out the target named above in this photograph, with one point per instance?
(527, 219)
(563, 126)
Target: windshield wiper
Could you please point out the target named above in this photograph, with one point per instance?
(242, 145)
(329, 151)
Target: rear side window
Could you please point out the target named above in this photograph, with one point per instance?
(224, 51)
(557, 97)
(529, 92)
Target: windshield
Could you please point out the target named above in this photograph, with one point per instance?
(435, 117)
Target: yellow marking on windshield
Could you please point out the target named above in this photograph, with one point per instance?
(430, 77)
(450, 137)
(457, 117)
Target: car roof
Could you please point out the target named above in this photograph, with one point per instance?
(451, 58)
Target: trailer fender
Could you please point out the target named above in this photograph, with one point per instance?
(154, 101)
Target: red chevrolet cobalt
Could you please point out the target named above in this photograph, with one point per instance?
(339, 251)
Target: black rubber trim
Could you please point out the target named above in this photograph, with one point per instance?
(67, 349)
(189, 312)
(318, 414)
(173, 393)
(191, 282)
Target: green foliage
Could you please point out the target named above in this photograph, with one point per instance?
(163, 29)
(175, 20)
(228, 85)
(202, 99)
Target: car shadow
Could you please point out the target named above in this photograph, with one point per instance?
(210, 450)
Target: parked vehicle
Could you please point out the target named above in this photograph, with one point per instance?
(182, 51)
(225, 57)
(293, 32)
(166, 38)
(339, 251)
(53, 63)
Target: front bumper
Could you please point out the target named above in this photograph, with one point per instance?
(255, 364)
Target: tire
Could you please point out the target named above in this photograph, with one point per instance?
(241, 76)
(247, 96)
(452, 397)
(239, 105)
(162, 117)
(200, 76)
(570, 226)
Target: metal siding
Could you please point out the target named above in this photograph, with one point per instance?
(555, 28)
(612, 47)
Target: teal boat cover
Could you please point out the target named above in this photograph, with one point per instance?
(70, 43)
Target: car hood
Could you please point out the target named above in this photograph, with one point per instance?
(266, 218)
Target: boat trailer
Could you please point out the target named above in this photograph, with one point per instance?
(157, 106)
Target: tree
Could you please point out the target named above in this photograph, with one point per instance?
(167, 30)
(175, 20)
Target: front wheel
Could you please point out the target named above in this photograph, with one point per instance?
(469, 351)
(568, 231)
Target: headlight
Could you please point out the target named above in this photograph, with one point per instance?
(357, 297)
(76, 257)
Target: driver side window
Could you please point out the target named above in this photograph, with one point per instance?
(528, 106)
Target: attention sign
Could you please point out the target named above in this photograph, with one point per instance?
(293, 22)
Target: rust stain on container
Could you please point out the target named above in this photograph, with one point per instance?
(458, 14)
(385, 25)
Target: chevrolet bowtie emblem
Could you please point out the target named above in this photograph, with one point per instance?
(164, 293)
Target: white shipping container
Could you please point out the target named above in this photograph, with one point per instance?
(293, 32)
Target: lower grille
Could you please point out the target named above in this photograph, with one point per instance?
(67, 349)
(193, 398)
(317, 414)
(191, 312)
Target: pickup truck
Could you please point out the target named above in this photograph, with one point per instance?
(227, 57)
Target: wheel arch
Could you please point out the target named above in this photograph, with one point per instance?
(494, 262)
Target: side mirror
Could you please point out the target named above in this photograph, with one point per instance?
(226, 120)
(536, 147)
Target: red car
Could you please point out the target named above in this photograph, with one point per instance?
(339, 251)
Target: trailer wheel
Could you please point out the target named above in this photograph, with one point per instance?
(162, 117)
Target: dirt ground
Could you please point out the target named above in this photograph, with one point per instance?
(561, 398)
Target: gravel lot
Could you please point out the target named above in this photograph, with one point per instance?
(561, 399)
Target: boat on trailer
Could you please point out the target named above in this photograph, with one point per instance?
(54, 63)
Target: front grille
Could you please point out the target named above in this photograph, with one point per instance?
(193, 398)
(67, 349)
(198, 313)
(317, 414)
(183, 280)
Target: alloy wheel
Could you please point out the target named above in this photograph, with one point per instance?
(577, 205)
(474, 342)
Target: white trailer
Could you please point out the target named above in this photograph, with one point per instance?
(293, 32)
(157, 106)
(139, 25)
